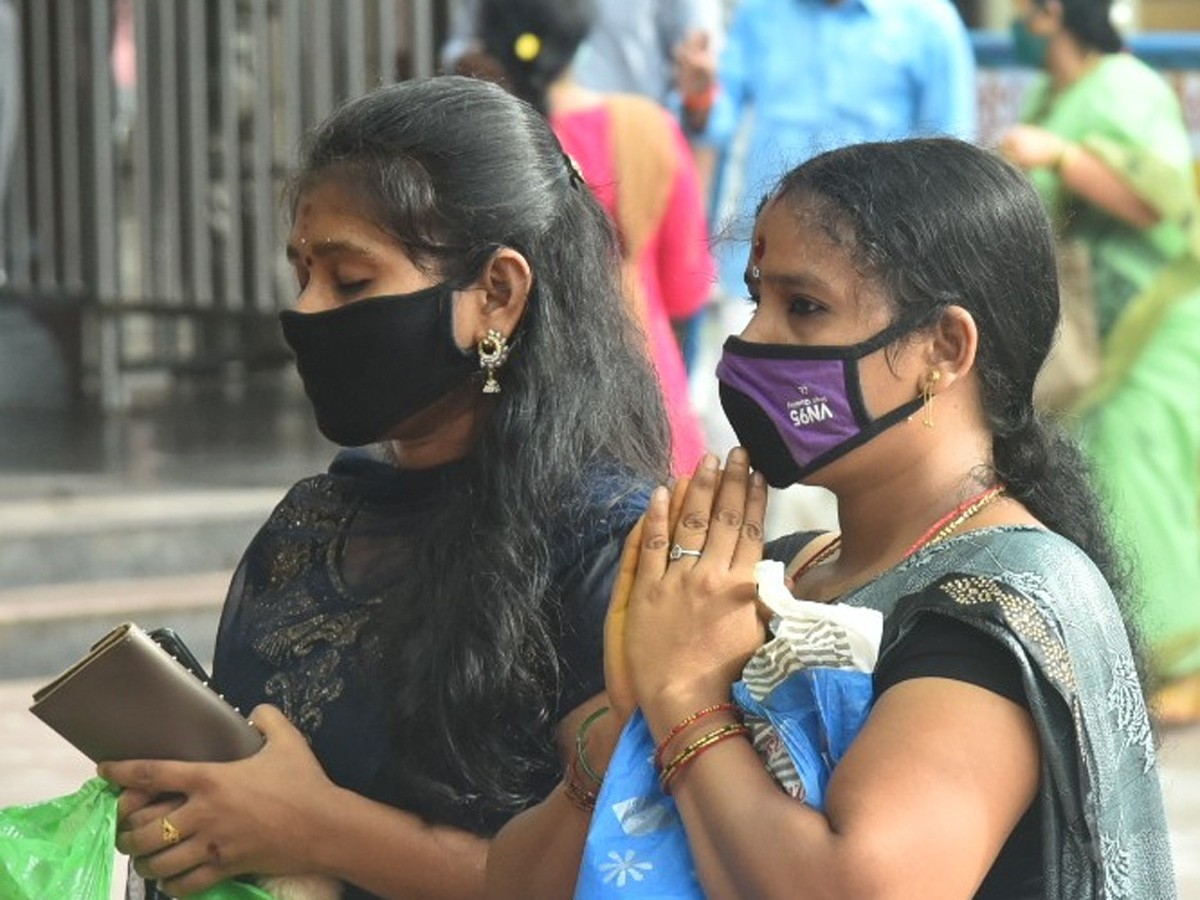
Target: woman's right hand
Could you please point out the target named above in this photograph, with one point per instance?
(693, 620)
(214, 821)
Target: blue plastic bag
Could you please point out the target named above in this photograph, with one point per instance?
(637, 848)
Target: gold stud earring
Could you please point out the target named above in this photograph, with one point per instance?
(927, 396)
(493, 351)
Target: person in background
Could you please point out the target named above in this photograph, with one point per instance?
(905, 299)
(424, 619)
(818, 74)
(628, 50)
(634, 156)
(1104, 141)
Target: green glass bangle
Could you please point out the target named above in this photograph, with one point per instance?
(581, 744)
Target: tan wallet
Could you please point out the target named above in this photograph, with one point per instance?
(128, 698)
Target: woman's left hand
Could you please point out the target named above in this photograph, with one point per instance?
(1030, 147)
(226, 819)
(692, 621)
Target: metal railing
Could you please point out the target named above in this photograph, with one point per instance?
(142, 207)
(153, 143)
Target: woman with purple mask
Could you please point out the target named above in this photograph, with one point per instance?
(905, 299)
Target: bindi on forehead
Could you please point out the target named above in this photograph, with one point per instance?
(757, 251)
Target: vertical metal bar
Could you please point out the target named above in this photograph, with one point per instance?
(387, 41)
(68, 144)
(17, 224)
(320, 60)
(230, 155)
(169, 207)
(45, 231)
(354, 56)
(422, 38)
(142, 186)
(292, 87)
(263, 254)
(17, 221)
(199, 248)
(103, 227)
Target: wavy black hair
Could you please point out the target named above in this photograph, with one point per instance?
(559, 27)
(939, 222)
(454, 168)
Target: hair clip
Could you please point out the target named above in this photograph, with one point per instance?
(574, 173)
(527, 46)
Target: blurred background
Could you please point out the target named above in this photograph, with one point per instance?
(149, 416)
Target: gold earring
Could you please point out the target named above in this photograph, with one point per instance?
(493, 351)
(927, 396)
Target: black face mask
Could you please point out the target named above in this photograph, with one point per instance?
(372, 364)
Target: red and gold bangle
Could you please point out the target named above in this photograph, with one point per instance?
(693, 750)
(684, 723)
(582, 797)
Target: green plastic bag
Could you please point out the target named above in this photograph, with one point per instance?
(64, 848)
(61, 847)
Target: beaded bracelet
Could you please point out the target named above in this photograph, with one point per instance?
(689, 753)
(581, 744)
(684, 723)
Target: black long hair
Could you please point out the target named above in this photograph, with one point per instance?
(453, 168)
(511, 30)
(940, 222)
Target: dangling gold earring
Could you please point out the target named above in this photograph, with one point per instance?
(927, 396)
(493, 351)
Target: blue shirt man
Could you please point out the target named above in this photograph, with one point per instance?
(801, 76)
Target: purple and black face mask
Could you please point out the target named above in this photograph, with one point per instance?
(796, 409)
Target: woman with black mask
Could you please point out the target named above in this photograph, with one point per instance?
(905, 299)
(427, 615)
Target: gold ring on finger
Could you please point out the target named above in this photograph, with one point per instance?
(170, 834)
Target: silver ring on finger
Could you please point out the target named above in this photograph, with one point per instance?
(678, 552)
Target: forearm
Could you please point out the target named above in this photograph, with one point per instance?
(537, 854)
(395, 854)
(1091, 180)
(749, 839)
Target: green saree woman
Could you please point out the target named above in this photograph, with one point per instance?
(1106, 146)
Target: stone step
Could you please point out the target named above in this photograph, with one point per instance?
(45, 628)
(77, 538)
